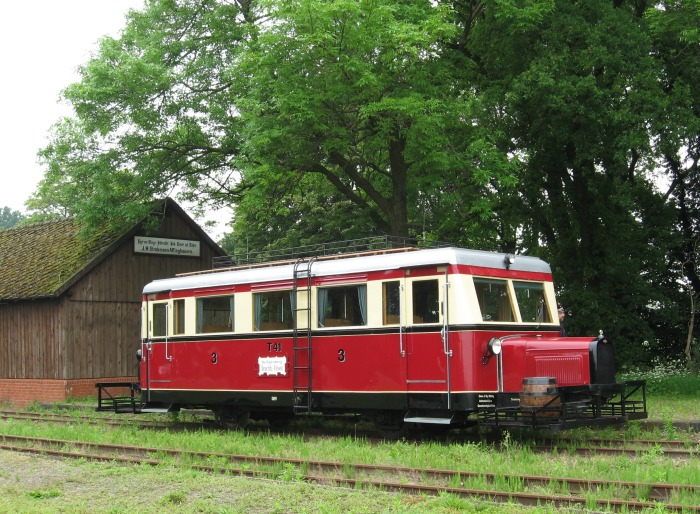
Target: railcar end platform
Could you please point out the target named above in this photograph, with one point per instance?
(575, 407)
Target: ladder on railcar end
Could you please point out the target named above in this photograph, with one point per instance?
(302, 336)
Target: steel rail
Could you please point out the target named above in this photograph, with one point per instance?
(669, 448)
(630, 452)
(652, 491)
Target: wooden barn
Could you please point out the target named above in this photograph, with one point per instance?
(70, 306)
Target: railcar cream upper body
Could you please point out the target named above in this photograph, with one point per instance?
(410, 288)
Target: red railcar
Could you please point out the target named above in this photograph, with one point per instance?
(443, 336)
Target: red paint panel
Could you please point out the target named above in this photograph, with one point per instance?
(392, 274)
(340, 279)
(209, 291)
(339, 364)
(567, 360)
(422, 272)
(500, 273)
(365, 363)
(156, 297)
(272, 286)
(426, 362)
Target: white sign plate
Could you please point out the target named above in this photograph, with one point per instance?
(162, 246)
(272, 366)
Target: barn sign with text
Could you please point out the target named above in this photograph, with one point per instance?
(162, 246)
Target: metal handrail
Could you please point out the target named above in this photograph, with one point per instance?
(375, 243)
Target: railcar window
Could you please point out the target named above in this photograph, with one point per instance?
(160, 320)
(532, 302)
(273, 310)
(342, 306)
(215, 314)
(178, 316)
(493, 298)
(426, 298)
(391, 303)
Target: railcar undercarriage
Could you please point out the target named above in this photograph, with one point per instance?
(562, 408)
(575, 406)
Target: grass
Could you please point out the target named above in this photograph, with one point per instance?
(139, 489)
(37, 484)
(479, 456)
(673, 390)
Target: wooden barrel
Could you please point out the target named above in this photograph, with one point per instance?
(534, 396)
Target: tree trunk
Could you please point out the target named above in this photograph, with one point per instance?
(691, 327)
(398, 207)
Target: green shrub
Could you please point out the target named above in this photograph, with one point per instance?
(671, 377)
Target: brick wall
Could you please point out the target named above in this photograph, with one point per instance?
(21, 392)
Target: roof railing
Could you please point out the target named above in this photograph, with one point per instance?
(352, 246)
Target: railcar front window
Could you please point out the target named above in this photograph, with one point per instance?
(426, 301)
(391, 303)
(494, 301)
(532, 302)
(273, 310)
(342, 306)
(160, 320)
(215, 314)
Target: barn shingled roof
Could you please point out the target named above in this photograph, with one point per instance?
(40, 260)
(43, 260)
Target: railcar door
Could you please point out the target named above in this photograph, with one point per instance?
(158, 350)
(145, 358)
(427, 340)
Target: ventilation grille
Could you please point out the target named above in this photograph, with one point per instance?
(568, 369)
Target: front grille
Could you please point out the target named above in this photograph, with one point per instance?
(568, 369)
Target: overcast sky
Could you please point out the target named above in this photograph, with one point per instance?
(42, 43)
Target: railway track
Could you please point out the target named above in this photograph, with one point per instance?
(120, 421)
(628, 447)
(554, 491)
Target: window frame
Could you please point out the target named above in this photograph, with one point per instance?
(386, 303)
(414, 315)
(258, 316)
(512, 301)
(200, 320)
(344, 321)
(178, 317)
(155, 322)
(546, 307)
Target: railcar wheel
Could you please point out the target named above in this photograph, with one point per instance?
(232, 419)
(390, 425)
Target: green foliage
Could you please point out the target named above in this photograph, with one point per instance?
(355, 92)
(578, 86)
(538, 127)
(667, 377)
(281, 212)
(9, 218)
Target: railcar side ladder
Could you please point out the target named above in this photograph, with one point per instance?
(302, 336)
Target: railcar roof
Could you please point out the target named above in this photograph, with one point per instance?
(350, 265)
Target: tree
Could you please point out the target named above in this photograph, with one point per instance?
(534, 127)
(674, 27)
(576, 88)
(196, 94)
(280, 212)
(152, 115)
(9, 218)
